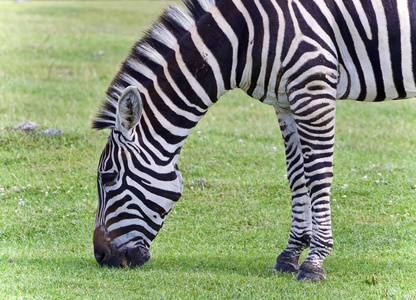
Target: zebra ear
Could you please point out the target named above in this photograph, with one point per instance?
(129, 109)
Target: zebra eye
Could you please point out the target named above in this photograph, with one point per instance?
(108, 179)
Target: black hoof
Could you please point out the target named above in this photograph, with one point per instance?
(311, 276)
(286, 267)
(287, 263)
(310, 272)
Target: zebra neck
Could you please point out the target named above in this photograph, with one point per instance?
(179, 87)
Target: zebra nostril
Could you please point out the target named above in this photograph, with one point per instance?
(106, 255)
(100, 254)
(103, 252)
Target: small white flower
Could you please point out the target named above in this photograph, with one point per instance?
(344, 196)
(2, 190)
(365, 177)
(29, 185)
(240, 141)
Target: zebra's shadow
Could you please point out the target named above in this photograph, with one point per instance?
(255, 266)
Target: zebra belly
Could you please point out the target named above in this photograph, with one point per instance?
(356, 90)
(375, 43)
(351, 87)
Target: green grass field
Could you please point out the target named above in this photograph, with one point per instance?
(222, 238)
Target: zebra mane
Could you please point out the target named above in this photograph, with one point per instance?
(150, 51)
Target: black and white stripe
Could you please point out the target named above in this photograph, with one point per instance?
(298, 56)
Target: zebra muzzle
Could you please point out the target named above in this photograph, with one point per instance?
(107, 254)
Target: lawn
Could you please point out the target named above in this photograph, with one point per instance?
(222, 238)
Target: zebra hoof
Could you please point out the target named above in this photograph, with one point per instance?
(310, 272)
(286, 268)
(287, 263)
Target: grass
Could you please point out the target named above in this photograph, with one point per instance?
(222, 238)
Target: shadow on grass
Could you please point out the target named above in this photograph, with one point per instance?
(52, 263)
(260, 266)
(256, 266)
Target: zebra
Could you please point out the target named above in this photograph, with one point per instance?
(297, 56)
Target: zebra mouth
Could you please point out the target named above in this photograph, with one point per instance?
(124, 262)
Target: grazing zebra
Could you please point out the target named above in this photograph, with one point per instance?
(298, 56)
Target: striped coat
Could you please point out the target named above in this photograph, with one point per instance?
(298, 56)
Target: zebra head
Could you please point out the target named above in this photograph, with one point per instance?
(135, 190)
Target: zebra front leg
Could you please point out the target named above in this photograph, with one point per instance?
(300, 232)
(315, 120)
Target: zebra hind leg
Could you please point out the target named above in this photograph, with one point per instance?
(300, 233)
